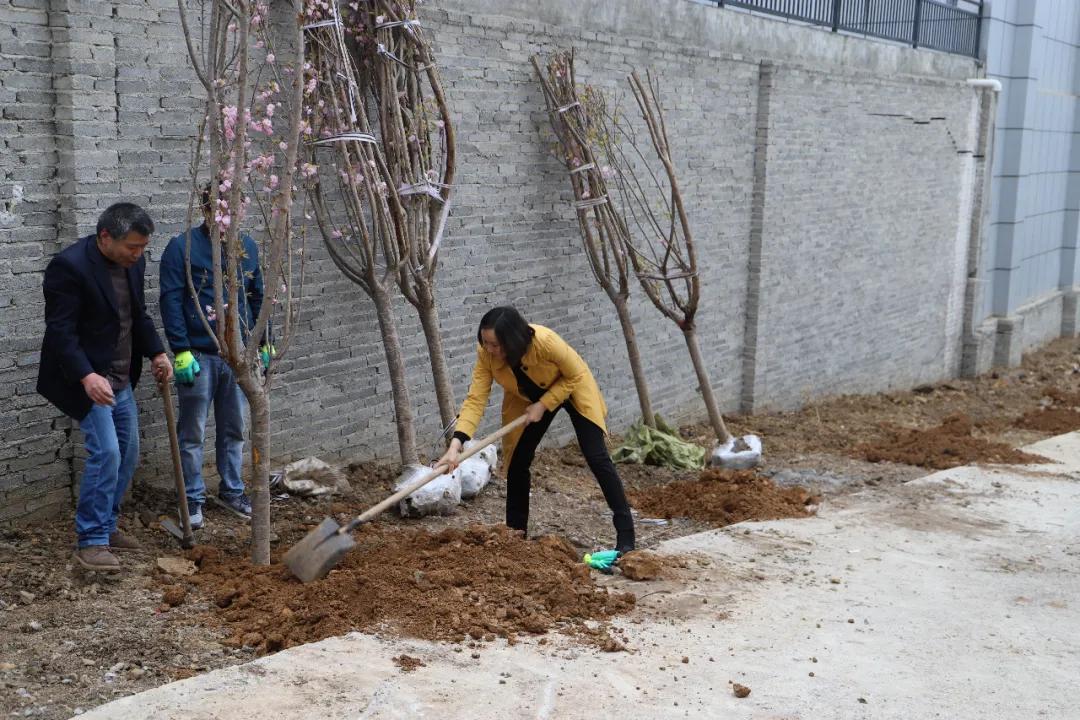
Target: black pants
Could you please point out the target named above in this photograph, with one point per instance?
(591, 439)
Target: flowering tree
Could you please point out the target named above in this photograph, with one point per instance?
(581, 128)
(251, 132)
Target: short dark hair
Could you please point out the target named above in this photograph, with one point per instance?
(513, 333)
(121, 218)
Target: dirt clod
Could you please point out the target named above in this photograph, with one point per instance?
(640, 565)
(176, 566)
(174, 595)
(407, 663)
(740, 691)
(724, 497)
(481, 582)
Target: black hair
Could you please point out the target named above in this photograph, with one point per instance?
(205, 193)
(121, 218)
(513, 333)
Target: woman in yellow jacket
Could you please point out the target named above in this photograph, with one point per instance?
(540, 374)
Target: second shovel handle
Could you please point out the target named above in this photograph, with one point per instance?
(165, 388)
(428, 477)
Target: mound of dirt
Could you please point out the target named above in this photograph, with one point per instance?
(950, 444)
(1062, 398)
(478, 582)
(724, 497)
(1051, 420)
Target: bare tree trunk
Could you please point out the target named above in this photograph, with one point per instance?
(259, 406)
(715, 419)
(632, 353)
(580, 125)
(444, 393)
(403, 416)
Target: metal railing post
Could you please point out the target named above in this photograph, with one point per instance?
(978, 31)
(836, 15)
(916, 23)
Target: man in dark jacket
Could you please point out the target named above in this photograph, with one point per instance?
(203, 377)
(96, 334)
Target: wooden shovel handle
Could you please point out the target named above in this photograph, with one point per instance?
(428, 477)
(165, 388)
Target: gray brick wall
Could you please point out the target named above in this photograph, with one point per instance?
(857, 244)
(34, 448)
(861, 219)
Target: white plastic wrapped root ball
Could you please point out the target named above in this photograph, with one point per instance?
(439, 497)
(475, 472)
(489, 454)
(737, 453)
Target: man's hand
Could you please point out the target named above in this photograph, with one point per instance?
(450, 457)
(187, 367)
(162, 367)
(98, 389)
(534, 412)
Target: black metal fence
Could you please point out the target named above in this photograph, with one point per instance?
(934, 24)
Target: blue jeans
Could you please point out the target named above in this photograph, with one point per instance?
(112, 449)
(214, 384)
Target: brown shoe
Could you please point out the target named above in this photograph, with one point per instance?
(120, 541)
(96, 557)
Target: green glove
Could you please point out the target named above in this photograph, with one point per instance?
(185, 368)
(602, 560)
(265, 353)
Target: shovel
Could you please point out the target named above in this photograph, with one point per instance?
(321, 549)
(185, 536)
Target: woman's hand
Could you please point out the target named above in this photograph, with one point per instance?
(450, 457)
(535, 412)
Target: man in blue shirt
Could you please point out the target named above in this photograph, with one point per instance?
(96, 334)
(203, 377)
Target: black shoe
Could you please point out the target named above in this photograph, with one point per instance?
(624, 541)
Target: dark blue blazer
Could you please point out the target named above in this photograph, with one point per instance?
(82, 325)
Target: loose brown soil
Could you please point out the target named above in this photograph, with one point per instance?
(100, 637)
(481, 582)
(835, 427)
(724, 497)
(950, 444)
(1062, 398)
(1050, 420)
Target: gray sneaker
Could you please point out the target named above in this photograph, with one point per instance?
(195, 515)
(238, 503)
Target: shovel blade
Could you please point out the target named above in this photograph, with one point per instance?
(318, 552)
(166, 523)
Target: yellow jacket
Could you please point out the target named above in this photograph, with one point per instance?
(553, 365)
